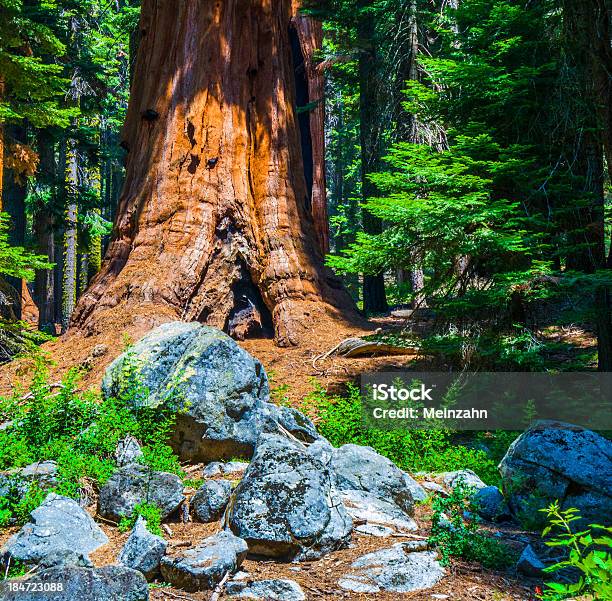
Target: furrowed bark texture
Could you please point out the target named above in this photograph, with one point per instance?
(213, 216)
(310, 36)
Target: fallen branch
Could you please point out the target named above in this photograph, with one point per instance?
(219, 588)
(358, 347)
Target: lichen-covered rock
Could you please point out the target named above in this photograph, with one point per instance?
(554, 460)
(397, 569)
(128, 451)
(210, 500)
(58, 524)
(143, 550)
(218, 468)
(71, 583)
(278, 589)
(134, 484)
(490, 504)
(362, 468)
(203, 566)
(466, 477)
(362, 505)
(223, 391)
(286, 505)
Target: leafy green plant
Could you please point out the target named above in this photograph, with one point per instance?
(455, 533)
(80, 431)
(150, 512)
(589, 551)
(21, 500)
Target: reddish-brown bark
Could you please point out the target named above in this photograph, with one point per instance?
(310, 35)
(212, 220)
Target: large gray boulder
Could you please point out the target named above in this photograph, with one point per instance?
(110, 583)
(397, 569)
(143, 550)
(555, 460)
(206, 564)
(210, 500)
(223, 391)
(277, 589)
(362, 468)
(134, 484)
(286, 505)
(58, 524)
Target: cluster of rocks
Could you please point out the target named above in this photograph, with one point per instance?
(297, 499)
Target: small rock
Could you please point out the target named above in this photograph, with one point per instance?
(267, 590)
(143, 550)
(490, 504)
(361, 505)
(362, 468)
(210, 500)
(218, 468)
(234, 467)
(467, 477)
(71, 583)
(434, 487)
(58, 524)
(529, 563)
(134, 484)
(396, 569)
(213, 469)
(128, 451)
(205, 565)
(286, 505)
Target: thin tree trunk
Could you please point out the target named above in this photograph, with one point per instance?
(213, 214)
(13, 203)
(70, 237)
(374, 296)
(44, 285)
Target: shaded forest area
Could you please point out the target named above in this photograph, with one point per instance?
(455, 160)
(216, 216)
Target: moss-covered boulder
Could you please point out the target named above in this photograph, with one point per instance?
(221, 392)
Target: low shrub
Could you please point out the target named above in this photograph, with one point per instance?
(454, 531)
(150, 512)
(79, 431)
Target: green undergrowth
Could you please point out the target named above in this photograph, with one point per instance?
(78, 430)
(339, 420)
(150, 512)
(455, 532)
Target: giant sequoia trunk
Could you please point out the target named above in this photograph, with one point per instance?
(309, 34)
(212, 224)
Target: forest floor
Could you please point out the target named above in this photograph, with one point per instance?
(464, 581)
(293, 368)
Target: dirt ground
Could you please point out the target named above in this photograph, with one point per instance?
(465, 581)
